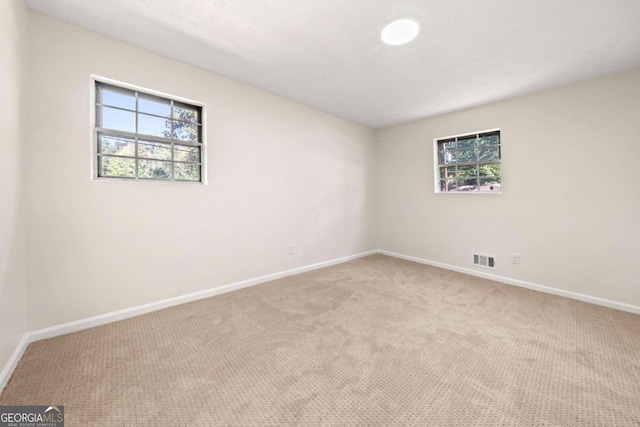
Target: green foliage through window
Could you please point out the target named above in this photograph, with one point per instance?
(470, 163)
(143, 136)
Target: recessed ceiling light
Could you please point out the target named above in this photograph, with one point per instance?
(400, 31)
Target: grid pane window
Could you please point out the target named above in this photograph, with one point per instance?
(146, 137)
(469, 163)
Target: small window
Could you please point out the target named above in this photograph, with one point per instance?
(140, 136)
(469, 163)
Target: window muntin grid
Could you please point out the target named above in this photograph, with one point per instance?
(469, 163)
(141, 136)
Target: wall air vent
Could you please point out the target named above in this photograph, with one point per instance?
(486, 261)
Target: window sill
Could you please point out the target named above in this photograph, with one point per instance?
(151, 181)
(469, 192)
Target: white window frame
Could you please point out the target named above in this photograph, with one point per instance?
(436, 165)
(94, 79)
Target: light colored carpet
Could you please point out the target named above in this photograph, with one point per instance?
(376, 341)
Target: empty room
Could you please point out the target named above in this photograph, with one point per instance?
(319, 213)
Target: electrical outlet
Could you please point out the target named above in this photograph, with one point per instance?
(515, 259)
(291, 249)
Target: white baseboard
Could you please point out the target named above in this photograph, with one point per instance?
(521, 283)
(103, 319)
(13, 361)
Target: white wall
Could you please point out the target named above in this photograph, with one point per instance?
(13, 48)
(279, 173)
(570, 204)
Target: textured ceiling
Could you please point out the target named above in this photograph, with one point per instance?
(327, 53)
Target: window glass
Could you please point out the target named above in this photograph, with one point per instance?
(469, 163)
(144, 136)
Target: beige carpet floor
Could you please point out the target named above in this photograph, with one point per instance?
(373, 342)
